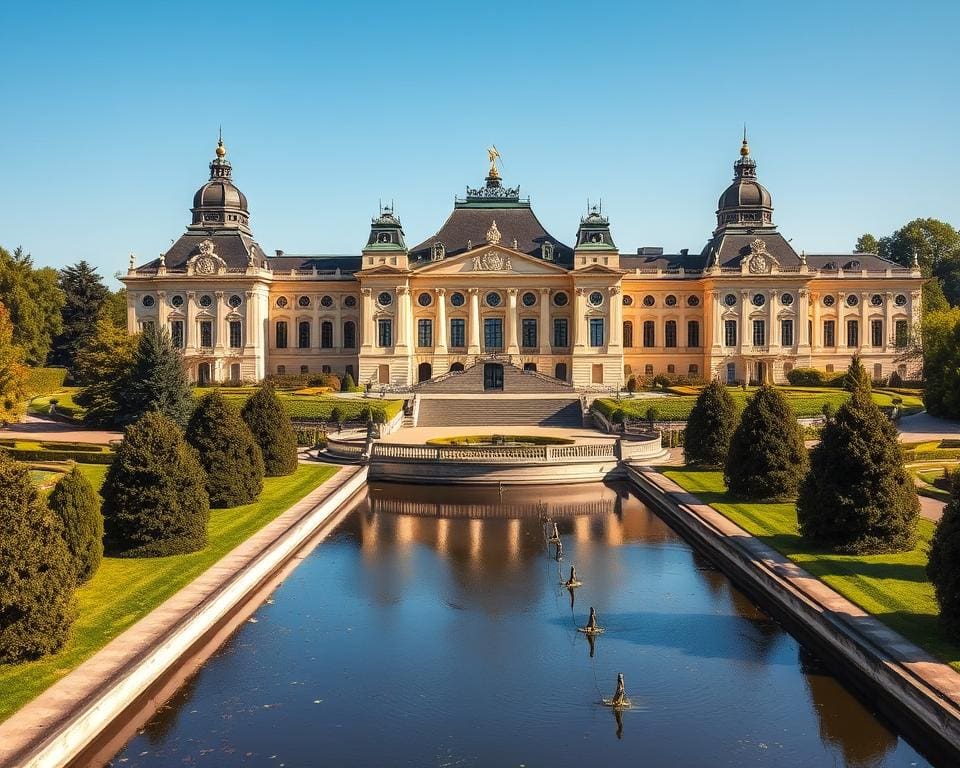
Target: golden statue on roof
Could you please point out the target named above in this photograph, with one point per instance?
(493, 155)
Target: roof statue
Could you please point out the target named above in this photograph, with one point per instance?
(493, 155)
(493, 234)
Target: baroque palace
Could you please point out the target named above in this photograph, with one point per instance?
(492, 286)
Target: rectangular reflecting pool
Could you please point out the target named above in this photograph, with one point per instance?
(432, 629)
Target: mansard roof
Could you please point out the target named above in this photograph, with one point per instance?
(235, 247)
(321, 262)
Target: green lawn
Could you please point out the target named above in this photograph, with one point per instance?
(806, 402)
(124, 590)
(894, 588)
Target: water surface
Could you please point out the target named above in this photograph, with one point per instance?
(431, 630)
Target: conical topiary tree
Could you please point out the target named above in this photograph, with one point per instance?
(857, 377)
(857, 496)
(155, 497)
(157, 381)
(227, 451)
(270, 424)
(943, 567)
(710, 426)
(767, 458)
(37, 575)
(77, 506)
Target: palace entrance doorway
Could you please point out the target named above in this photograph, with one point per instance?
(492, 376)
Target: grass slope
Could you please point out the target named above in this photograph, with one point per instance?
(894, 588)
(124, 590)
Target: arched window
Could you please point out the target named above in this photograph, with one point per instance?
(326, 334)
(627, 333)
(456, 368)
(281, 334)
(349, 335)
(303, 334)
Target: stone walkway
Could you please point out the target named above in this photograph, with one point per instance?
(43, 429)
(922, 427)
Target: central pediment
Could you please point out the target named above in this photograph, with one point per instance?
(491, 259)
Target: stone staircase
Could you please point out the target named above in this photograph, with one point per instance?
(493, 410)
(515, 381)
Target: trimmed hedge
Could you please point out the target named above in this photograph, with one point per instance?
(87, 447)
(44, 381)
(310, 437)
(81, 457)
(931, 455)
(814, 377)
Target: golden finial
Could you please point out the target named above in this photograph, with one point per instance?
(221, 150)
(494, 155)
(744, 148)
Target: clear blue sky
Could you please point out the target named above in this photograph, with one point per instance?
(111, 113)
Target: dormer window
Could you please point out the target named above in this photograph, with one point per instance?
(546, 250)
(384, 237)
(596, 237)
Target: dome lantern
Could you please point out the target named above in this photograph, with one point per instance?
(218, 204)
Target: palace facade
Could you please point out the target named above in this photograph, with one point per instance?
(492, 285)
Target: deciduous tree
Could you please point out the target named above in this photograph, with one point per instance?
(867, 243)
(102, 366)
(937, 246)
(13, 373)
(34, 300)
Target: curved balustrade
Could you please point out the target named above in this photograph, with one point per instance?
(494, 454)
(345, 449)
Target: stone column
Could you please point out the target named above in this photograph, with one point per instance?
(913, 310)
(220, 329)
(865, 340)
(817, 341)
(717, 324)
(132, 299)
(841, 322)
(191, 334)
(162, 311)
(404, 317)
(251, 330)
(773, 334)
(888, 340)
(314, 324)
(473, 322)
(513, 346)
(337, 326)
(441, 336)
(579, 318)
(545, 331)
(803, 334)
(367, 330)
(615, 338)
(745, 340)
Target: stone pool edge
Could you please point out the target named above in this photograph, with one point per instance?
(926, 689)
(57, 726)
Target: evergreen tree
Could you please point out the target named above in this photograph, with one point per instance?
(943, 567)
(272, 429)
(347, 384)
(77, 506)
(157, 381)
(84, 294)
(37, 578)
(857, 496)
(227, 451)
(13, 373)
(155, 497)
(857, 378)
(710, 426)
(767, 458)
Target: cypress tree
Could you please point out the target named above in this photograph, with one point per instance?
(157, 381)
(270, 424)
(155, 497)
(710, 426)
(857, 378)
(37, 576)
(227, 451)
(767, 458)
(943, 568)
(77, 505)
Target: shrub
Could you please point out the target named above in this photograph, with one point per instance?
(325, 380)
(347, 384)
(273, 431)
(77, 505)
(813, 377)
(661, 381)
(857, 496)
(943, 567)
(43, 381)
(154, 496)
(617, 417)
(710, 427)
(37, 576)
(227, 451)
(632, 384)
(767, 458)
(896, 380)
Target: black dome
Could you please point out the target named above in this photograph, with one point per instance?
(220, 193)
(745, 192)
(218, 204)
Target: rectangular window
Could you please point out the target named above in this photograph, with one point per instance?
(853, 333)
(876, 333)
(383, 371)
(829, 333)
(384, 332)
(303, 335)
(731, 371)
(649, 333)
(730, 333)
(326, 334)
(304, 369)
(596, 331)
(786, 333)
(596, 374)
(493, 333)
(206, 333)
(349, 335)
(900, 333)
(458, 332)
(670, 333)
(759, 333)
(424, 333)
(560, 335)
(528, 332)
(693, 333)
(176, 333)
(281, 334)
(236, 334)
